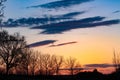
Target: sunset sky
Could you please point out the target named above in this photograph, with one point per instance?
(88, 30)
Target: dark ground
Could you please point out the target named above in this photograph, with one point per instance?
(79, 76)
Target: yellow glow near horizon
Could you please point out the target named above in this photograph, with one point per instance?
(96, 46)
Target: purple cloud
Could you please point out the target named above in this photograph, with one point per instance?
(62, 44)
(41, 43)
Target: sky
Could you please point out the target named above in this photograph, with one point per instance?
(88, 30)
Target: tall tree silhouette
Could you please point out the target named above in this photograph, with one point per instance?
(116, 61)
(71, 64)
(48, 64)
(40, 64)
(23, 66)
(12, 49)
(59, 60)
(33, 61)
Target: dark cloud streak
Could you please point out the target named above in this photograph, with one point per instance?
(116, 11)
(37, 21)
(62, 44)
(60, 3)
(71, 15)
(41, 43)
(99, 65)
(61, 27)
(57, 26)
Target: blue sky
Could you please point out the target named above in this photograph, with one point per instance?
(19, 6)
(99, 7)
(82, 27)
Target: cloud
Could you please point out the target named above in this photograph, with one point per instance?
(57, 28)
(71, 15)
(62, 44)
(99, 65)
(40, 21)
(41, 43)
(116, 11)
(60, 3)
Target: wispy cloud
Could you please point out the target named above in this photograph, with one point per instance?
(71, 15)
(61, 27)
(116, 11)
(99, 65)
(41, 43)
(40, 21)
(57, 26)
(60, 3)
(62, 44)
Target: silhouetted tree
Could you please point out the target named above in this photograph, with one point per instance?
(95, 70)
(23, 67)
(33, 61)
(77, 68)
(51, 65)
(46, 59)
(48, 64)
(116, 61)
(12, 49)
(71, 64)
(58, 63)
(40, 64)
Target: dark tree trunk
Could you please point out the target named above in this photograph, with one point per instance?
(71, 71)
(7, 69)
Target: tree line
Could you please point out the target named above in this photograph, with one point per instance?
(17, 58)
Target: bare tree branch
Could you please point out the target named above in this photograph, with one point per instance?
(11, 52)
